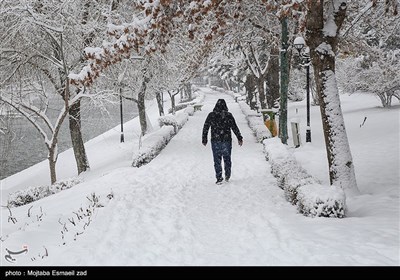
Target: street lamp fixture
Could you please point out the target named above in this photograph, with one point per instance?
(299, 44)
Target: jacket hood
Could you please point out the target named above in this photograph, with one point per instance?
(220, 106)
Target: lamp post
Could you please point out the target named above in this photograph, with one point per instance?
(299, 44)
(121, 84)
(121, 115)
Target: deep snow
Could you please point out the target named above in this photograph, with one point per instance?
(170, 212)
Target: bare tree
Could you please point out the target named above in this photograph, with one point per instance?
(7, 136)
(370, 60)
(39, 48)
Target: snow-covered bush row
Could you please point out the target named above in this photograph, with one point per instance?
(321, 201)
(152, 145)
(154, 142)
(176, 121)
(31, 194)
(255, 121)
(170, 125)
(301, 189)
(168, 120)
(190, 110)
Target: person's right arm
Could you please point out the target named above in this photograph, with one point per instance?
(206, 127)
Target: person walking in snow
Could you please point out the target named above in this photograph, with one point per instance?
(221, 122)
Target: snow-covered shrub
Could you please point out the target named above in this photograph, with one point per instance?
(260, 130)
(189, 110)
(283, 165)
(256, 122)
(28, 195)
(292, 183)
(152, 145)
(168, 120)
(176, 121)
(321, 201)
(154, 142)
(181, 119)
(31, 194)
(300, 188)
(64, 184)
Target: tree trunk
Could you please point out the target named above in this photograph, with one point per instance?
(172, 96)
(160, 103)
(74, 111)
(322, 51)
(250, 87)
(78, 146)
(284, 66)
(261, 92)
(52, 163)
(272, 78)
(189, 91)
(341, 166)
(142, 112)
(141, 102)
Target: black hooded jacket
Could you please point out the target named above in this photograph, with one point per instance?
(221, 122)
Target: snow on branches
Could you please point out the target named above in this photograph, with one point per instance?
(156, 22)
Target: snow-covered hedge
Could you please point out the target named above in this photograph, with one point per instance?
(190, 110)
(168, 120)
(301, 189)
(154, 142)
(283, 165)
(31, 194)
(322, 201)
(256, 122)
(177, 120)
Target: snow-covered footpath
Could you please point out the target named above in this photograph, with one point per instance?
(170, 212)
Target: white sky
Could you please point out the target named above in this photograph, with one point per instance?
(170, 212)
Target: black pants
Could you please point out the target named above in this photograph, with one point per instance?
(222, 150)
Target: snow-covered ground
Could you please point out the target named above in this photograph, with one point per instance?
(170, 212)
